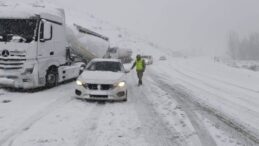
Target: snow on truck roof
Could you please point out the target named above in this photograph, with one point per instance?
(25, 11)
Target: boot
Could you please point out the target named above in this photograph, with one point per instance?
(139, 83)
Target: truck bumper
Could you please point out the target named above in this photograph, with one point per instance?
(25, 83)
(6, 82)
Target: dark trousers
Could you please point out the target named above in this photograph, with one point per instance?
(140, 75)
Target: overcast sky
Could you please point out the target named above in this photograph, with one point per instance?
(177, 24)
(180, 23)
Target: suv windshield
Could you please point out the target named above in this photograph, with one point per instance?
(19, 30)
(105, 66)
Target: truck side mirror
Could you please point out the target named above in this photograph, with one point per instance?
(46, 31)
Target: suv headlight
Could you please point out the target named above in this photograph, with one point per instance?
(120, 84)
(79, 83)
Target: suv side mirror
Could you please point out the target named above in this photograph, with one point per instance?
(126, 71)
(45, 31)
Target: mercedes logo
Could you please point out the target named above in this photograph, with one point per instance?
(5, 53)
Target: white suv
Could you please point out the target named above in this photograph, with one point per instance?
(103, 79)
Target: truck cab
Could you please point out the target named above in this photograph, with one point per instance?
(33, 47)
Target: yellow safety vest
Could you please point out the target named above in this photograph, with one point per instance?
(139, 65)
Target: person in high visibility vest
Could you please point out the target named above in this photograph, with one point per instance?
(140, 68)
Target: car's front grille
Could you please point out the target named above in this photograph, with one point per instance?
(106, 87)
(99, 96)
(99, 86)
(92, 86)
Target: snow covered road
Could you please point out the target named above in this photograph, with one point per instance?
(185, 101)
(76, 122)
(156, 114)
(229, 94)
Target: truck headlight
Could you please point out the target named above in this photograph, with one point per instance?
(28, 71)
(79, 83)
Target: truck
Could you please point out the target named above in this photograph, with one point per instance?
(125, 55)
(87, 43)
(36, 47)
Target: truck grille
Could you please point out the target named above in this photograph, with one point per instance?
(9, 77)
(1, 63)
(99, 86)
(10, 68)
(11, 63)
(11, 59)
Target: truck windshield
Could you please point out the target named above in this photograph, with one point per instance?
(17, 30)
(105, 66)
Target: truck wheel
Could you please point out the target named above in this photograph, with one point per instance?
(51, 77)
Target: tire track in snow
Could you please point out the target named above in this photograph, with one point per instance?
(221, 89)
(255, 113)
(219, 115)
(155, 131)
(27, 124)
(226, 118)
(188, 106)
(89, 135)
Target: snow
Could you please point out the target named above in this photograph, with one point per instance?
(18, 10)
(219, 135)
(173, 114)
(231, 93)
(184, 101)
(24, 109)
